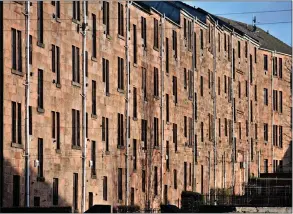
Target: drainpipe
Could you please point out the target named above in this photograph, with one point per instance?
(193, 110)
(249, 119)
(232, 101)
(27, 103)
(272, 91)
(84, 94)
(162, 105)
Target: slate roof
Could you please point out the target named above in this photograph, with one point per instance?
(172, 10)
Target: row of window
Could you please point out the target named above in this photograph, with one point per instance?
(276, 71)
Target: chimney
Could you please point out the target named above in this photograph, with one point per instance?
(253, 23)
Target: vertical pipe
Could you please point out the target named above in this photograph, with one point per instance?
(193, 110)
(258, 164)
(249, 120)
(224, 162)
(162, 105)
(215, 107)
(232, 100)
(128, 101)
(84, 92)
(27, 103)
(272, 113)
(209, 185)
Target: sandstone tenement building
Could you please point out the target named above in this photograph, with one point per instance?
(200, 86)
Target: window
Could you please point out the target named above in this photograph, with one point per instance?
(167, 108)
(105, 188)
(120, 73)
(76, 10)
(16, 123)
(167, 55)
(219, 121)
(57, 8)
(144, 133)
(94, 98)
(134, 102)
(40, 158)
(106, 75)
(195, 106)
(255, 92)
(251, 150)
(37, 201)
(144, 83)
(251, 111)
(265, 90)
(120, 19)
(86, 64)
(266, 166)
(156, 33)
(229, 48)
(120, 194)
(275, 100)
(239, 130)
(75, 191)
(265, 59)
(30, 120)
(185, 126)
(189, 35)
(75, 128)
(75, 64)
(134, 155)
(219, 42)
(91, 199)
(185, 176)
(239, 50)
(229, 89)
(209, 78)
(189, 174)
(201, 132)
(105, 131)
(280, 68)
(219, 85)
(16, 190)
(143, 31)
(16, 50)
(106, 19)
(225, 83)
(230, 131)
(86, 125)
(56, 128)
(156, 132)
(156, 82)
(250, 68)
(194, 49)
(56, 62)
(246, 122)
(40, 89)
(255, 56)
(55, 191)
(93, 159)
(266, 130)
(31, 50)
(275, 134)
(120, 137)
(40, 22)
(175, 89)
(280, 166)
(235, 110)
(94, 31)
(209, 33)
(255, 131)
(175, 135)
(275, 66)
(190, 81)
(134, 45)
(190, 132)
(143, 181)
(281, 101)
(226, 127)
(233, 69)
(165, 194)
(185, 28)
(246, 49)
(201, 86)
(155, 180)
(201, 39)
(281, 136)
(175, 178)
(132, 196)
(168, 156)
(174, 37)
(239, 89)
(185, 79)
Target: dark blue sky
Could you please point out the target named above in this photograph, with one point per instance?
(281, 31)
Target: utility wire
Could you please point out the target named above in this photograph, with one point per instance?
(252, 12)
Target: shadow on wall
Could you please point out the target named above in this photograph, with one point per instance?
(43, 193)
(286, 161)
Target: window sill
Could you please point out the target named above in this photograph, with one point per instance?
(58, 151)
(40, 110)
(17, 145)
(94, 116)
(121, 37)
(40, 44)
(93, 176)
(40, 179)
(94, 59)
(135, 65)
(120, 90)
(134, 118)
(75, 21)
(58, 85)
(76, 147)
(120, 147)
(76, 84)
(168, 123)
(108, 37)
(107, 94)
(17, 72)
(156, 48)
(58, 20)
